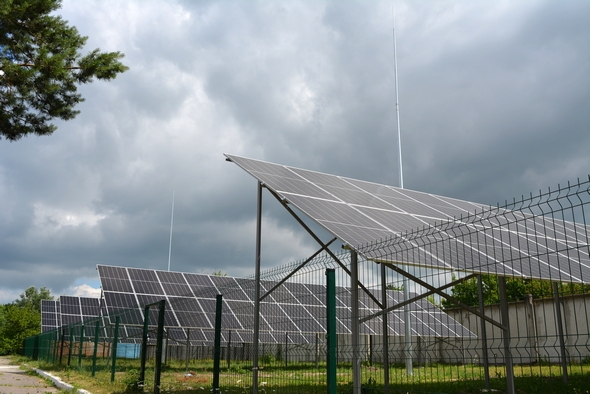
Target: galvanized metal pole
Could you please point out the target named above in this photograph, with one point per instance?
(408, 330)
(559, 322)
(257, 291)
(188, 349)
(506, 335)
(484, 336)
(95, 352)
(114, 351)
(385, 331)
(354, 303)
(159, 345)
(331, 330)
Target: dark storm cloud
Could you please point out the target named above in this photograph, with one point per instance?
(493, 97)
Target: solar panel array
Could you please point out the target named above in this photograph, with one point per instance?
(294, 308)
(362, 213)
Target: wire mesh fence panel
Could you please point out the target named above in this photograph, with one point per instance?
(497, 299)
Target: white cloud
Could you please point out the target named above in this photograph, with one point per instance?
(83, 290)
(490, 98)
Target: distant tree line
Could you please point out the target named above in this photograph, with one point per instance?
(517, 289)
(21, 319)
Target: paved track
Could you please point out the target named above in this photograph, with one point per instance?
(16, 381)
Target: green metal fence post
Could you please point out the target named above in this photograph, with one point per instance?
(331, 329)
(217, 342)
(144, 340)
(71, 345)
(115, 340)
(61, 345)
(81, 348)
(159, 345)
(95, 351)
(55, 346)
(36, 348)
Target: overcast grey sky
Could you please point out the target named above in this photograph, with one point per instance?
(494, 101)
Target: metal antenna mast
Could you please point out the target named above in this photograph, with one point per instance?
(399, 135)
(171, 224)
(407, 315)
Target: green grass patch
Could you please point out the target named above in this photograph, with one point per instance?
(304, 378)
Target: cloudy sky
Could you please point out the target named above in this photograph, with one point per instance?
(494, 101)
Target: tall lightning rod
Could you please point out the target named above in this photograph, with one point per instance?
(171, 224)
(399, 134)
(407, 316)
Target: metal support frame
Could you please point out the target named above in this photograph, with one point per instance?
(432, 291)
(324, 246)
(313, 256)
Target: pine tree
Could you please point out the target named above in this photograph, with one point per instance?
(41, 67)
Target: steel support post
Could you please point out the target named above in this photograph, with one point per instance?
(114, 351)
(159, 345)
(188, 349)
(229, 345)
(385, 330)
(144, 344)
(559, 323)
(331, 338)
(95, 350)
(506, 335)
(217, 342)
(355, 325)
(257, 291)
(71, 345)
(407, 329)
(483, 332)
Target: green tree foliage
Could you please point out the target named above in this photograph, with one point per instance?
(516, 290)
(18, 323)
(41, 66)
(21, 319)
(32, 298)
(218, 273)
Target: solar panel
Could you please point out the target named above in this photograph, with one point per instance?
(362, 213)
(50, 315)
(78, 309)
(294, 308)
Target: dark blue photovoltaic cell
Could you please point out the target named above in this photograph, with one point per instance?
(293, 308)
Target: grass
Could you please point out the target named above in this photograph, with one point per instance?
(304, 378)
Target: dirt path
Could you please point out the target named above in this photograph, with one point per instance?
(16, 381)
